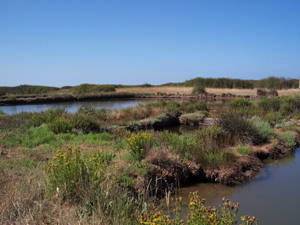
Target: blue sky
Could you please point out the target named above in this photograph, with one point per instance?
(67, 42)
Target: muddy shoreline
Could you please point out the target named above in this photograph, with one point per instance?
(42, 99)
(169, 173)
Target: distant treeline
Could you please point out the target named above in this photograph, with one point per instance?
(26, 90)
(270, 82)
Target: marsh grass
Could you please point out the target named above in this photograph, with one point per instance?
(244, 149)
(288, 138)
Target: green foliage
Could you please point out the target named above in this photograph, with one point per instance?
(73, 175)
(180, 143)
(269, 104)
(290, 105)
(85, 123)
(288, 138)
(61, 125)
(37, 136)
(199, 213)
(263, 128)
(216, 157)
(26, 89)
(244, 149)
(92, 88)
(37, 119)
(139, 144)
(241, 103)
(193, 106)
(273, 117)
(270, 82)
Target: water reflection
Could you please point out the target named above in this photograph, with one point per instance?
(69, 106)
(273, 196)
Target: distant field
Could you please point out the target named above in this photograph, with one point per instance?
(188, 90)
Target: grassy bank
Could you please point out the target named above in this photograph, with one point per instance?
(91, 167)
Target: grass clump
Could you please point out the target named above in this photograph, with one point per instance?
(37, 136)
(288, 138)
(85, 123)
(290, 105)
(263, 128)
(139, 144)
(269, 104)
(60, 125)
(182, 144)
(46, 117)
(244, 149)
(241, 103)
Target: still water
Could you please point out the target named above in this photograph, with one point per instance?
(273, 197)
(69, 106)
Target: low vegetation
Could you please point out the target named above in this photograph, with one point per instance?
(90, 168)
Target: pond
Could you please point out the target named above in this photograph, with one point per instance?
(273, 196)
(69, 106)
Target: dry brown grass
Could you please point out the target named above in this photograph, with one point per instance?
(155, 90)
(188, 91)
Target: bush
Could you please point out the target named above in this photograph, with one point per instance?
(244, 150)
(274, 118)
(61, 125)
(210, 147)
(139, 144)
(288, 138)
(183, 144)
(269, 104)
(241, 103)
(193, 106)
(46, 117)
(85, 123)
(216, 157)
(290, 105)
(264, 129)
(74, 176)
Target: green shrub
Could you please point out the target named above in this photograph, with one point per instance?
(37, 119)
(182, 144)
(269, 104)
(288, 138)
(37, 136)
(216, 157)
(274, 118)
(236, 126)
(85, 123)
(74, 176)
(290, 105)
(92, 88)
(139, 144)
(244, 150)
(2, 113)
(210, 146)
(193, 106)
(61, 125)
(241, 103)
(264, 129)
